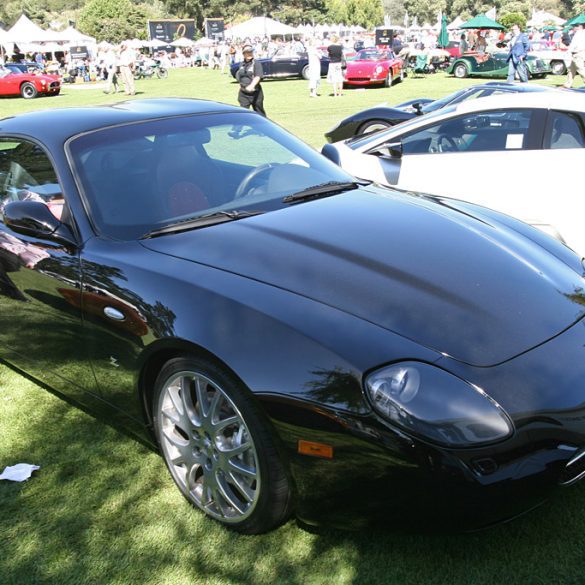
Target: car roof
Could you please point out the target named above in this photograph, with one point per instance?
(57, 125)
(558, 98)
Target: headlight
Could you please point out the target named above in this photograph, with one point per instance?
(436, 405)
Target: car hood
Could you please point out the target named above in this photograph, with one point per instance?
(460, 284)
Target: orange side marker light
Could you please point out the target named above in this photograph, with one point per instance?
(315, 449)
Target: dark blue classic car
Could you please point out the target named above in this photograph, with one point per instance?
(292, 340)
(287, 63)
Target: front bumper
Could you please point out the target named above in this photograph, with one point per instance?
(379, 471)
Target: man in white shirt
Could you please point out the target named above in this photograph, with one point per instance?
(126, 62)
(577, 50)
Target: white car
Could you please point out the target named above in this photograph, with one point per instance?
(558, 59)
(520, 154)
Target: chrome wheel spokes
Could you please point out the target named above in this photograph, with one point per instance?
(208, 447)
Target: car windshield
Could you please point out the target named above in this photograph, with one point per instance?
(442, 102)
(141, 177)
(372, 55)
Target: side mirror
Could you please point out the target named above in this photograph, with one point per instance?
(417, 106)
(394, 149)
(33, 218)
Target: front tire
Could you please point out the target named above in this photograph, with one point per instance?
(217, 446)
(28, 90)
(305, 72)
(388, 81)
(373, 126)
(162, 73)
(461, 71)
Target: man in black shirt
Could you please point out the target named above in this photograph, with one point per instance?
(249, 76)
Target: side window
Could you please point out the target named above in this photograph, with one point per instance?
(564, 130)
(27, 174)
(477, 132)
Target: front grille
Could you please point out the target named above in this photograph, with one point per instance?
(55, 85)
(574, 470)
(358, 79)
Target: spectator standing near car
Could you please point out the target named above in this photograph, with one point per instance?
(335, 72)
(517, 54)
(397, 44)
(314, 68)
(577, 51)
(110, 61)
(126, 64)
(249, 76)
(463, 45)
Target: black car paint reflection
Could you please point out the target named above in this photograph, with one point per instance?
(301, 304)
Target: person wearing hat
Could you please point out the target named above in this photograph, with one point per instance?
(577, 51)
(249, 76)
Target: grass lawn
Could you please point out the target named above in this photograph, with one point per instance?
(103, 509)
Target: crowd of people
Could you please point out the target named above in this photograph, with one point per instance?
(115, 65)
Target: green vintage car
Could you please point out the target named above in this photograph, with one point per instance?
(493, 65)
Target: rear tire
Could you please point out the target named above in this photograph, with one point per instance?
(305, 72)
(461, 71)
(218, 447)
(162, 73)
(558, 68)
(28, 90)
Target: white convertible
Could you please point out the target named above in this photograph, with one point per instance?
(521, 154)
(557, 59)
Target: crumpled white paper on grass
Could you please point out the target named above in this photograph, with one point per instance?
(18, 472)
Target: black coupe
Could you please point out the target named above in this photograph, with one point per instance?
(286, 63)
(292, 340)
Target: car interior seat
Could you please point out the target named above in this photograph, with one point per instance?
(566, 133)
(181, 180)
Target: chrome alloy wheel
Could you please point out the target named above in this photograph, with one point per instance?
(208, 447)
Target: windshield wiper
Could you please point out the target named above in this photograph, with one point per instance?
(199, 222)
(324, 190)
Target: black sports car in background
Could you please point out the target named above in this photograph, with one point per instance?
(293, 341)
(380, 117)
(286, 63)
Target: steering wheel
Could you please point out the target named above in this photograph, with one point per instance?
(446, 144)
(244, 186)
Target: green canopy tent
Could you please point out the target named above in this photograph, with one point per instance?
(443, 39)
(482, 21)
(580, 19)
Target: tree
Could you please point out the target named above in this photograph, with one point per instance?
(425, 10)
(366, 13)
(513, 18)
(112, 20)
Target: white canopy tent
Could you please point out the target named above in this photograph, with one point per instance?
(183, 42)
(259, 26)
(26, 31)
(74, 37)
(541, 18)
(455, 24)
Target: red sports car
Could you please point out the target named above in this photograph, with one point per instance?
(374, 66)
(28, 85)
